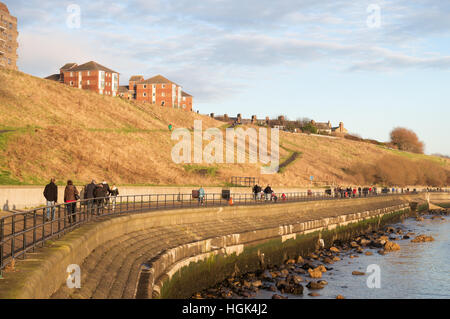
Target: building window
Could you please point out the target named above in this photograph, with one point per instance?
(154, 94)
(71, 83)
(145, 94)
(163, 103)
(163, 94)
(184, 98)
(184, 106)
(71, 73)
(145, 86)
(163, 86)
(88, 73)
(88, 82)
(154, 86)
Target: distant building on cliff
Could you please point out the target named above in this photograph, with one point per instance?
(328, 128)
(8, 38)
(89, 76)
(157, 90)
(281, 123)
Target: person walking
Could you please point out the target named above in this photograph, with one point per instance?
(107, 192)
(201, 195)
(114, 193)
(268, 192)
(99, 195)
(89, 196)
(51, 196)
(71, 196)
(255, 191)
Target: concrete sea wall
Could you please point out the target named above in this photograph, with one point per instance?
(183, 270)
(182, 241)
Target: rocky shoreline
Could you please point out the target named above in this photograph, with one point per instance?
(304, 274)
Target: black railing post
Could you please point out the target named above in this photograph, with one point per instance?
(2, 232)
(13, 236)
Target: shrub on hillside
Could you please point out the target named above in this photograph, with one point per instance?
(309, 128)
(406, 140)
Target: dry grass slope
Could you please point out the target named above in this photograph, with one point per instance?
(48, 129)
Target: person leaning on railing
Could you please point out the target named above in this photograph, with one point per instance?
(71, 196)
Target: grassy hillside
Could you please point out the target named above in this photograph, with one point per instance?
(48, 129)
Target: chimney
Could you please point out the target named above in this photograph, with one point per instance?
(225, 117)
(212, 115)
(239, 118)
(281, 118)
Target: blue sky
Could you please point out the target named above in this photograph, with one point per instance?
(301, 58)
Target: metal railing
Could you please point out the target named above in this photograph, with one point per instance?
(23, 232)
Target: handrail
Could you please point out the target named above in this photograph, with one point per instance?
(23, 232)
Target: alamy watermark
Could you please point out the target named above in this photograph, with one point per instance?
(74, 277)
(374, 19)
(73, 20)
(214, 150)
(374, 279)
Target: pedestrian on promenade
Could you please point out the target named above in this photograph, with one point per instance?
(354, 192)
(359, 191)
(255, 191)
(71, 196)
(89, 196)
(268, 192)
(107, 191)
(114, 193)
(99, 195)
(51, 195)
(201, 195)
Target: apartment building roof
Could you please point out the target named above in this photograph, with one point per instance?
(137, 78)
(54, 77)
(4, 7)
(91, 66)
(159, 79)
(68, 66)
(185, 94)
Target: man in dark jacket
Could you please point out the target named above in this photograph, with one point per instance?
(99, 194)
(51, 195)
(268, 192)
(89, 195)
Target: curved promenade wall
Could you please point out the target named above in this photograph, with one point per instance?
(43, 273)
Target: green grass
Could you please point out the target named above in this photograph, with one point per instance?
(289, 159)
(416, 156)
(201, 170)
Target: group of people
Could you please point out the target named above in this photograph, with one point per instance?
(353, 192)
(267, 193)
(96, 196)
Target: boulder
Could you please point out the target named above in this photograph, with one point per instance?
(315, 273)
(300, 260)
(354, 244)
(340, 297)
(382, 252)
(336, 258)
(257, 283)
(278, 297)
(390, 246)
(314, 285)
(334, 249)
(314, 294)
(290, 262)
(422, 239)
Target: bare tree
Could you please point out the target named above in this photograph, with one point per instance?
(406, 140)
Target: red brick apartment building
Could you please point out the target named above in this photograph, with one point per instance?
(157, 90)
(8, 38)
(89, 76)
